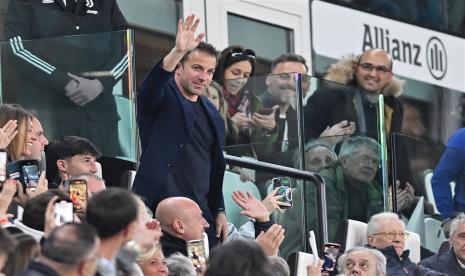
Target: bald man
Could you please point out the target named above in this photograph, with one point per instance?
(352, 108)
(180, 220)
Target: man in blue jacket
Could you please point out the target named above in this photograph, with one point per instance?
(181, 132)
(451, 262)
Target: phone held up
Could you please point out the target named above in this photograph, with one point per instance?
(3, 161)
(26, 171)
(330, 256)
(284, 188)
(197, 253)
(63, 212)
(77, 193)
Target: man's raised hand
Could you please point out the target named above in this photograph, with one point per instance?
(185, 38)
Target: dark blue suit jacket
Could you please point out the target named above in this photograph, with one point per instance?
(166, 120)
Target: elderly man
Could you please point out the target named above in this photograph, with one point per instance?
(452, 262)
(386, 232)
(180, 220)
(351, 191)
(362, 261)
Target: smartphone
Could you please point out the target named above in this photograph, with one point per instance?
(63, 212)
(78, 191)
(265, 111)
(284, 188)
(26, 171)
(197, 253)
(331, 250)
(3, 160)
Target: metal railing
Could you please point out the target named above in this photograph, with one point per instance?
(294, 173)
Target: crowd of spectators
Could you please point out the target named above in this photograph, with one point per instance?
(174, 221)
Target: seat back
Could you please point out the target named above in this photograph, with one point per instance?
(127, 179)
(429, 190)
(413, 244)
(232, 182)
(434, 235)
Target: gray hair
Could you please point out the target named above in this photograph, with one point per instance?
(354, 144)
(380, 259)
(372, 227)
(279, 266)
(180, 265)
(460, 219)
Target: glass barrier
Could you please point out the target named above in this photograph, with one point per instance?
(422, 198)
(309, 124)
(78, 85)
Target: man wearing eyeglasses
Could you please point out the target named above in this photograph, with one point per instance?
(386, 232)
(453, 261)
(341, 110)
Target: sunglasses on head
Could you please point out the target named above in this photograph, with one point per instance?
(236, 52)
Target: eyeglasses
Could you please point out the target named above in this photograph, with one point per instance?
(391, 234)
(236, 52)
(379, 69)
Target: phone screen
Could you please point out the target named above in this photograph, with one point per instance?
(284, 188)
(30, 175)
(3, 160)
(78, 191)
(196, 252)
(330, 256)
(63, 212)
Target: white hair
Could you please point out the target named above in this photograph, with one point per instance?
(380, 259)
(460, 219)
(372, 227)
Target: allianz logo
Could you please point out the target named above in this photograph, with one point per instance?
(434, 52)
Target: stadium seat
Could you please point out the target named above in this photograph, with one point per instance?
(232, 182)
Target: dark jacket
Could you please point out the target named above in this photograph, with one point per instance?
(338, 196)
(446, 263)
(38, 269)
(46, 43)
(400, 266)
(171, 244)
(166, 120)
(334, 103)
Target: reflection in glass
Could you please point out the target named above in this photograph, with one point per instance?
(105, 118)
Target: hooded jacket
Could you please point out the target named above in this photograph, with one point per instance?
(333, 102)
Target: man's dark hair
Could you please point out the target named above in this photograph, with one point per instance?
(111, 210)
(66, 147)
(204, 48)
(70, 244)
(249, 260)
(289, 57)
(34, 210)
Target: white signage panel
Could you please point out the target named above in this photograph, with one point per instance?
(418, 53)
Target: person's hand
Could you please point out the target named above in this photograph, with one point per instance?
(85, 91)
(42, 185)
(149, 233)
(271, 239)
(6, 195)
(272, 201)
(49, 224)
(8, 133)
(253, 207)
(404, 196)
(241, 120)
(267, 122)
(185, 38)
(342, 128)
(315, 269)
(221, 227)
